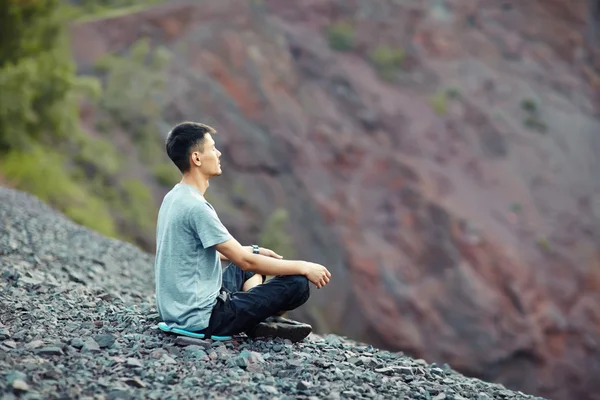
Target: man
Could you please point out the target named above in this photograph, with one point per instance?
(192, 290)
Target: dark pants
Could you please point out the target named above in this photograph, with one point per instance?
(237, 311)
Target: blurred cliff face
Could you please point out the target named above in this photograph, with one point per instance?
(440, 157)
(592, 35)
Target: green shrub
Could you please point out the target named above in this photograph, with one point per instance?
(88, 86)
(150, 145)
(166, 174)
(39, 118)
(544, 244)
(103, 125)
(39, 121)
(439, 103)
(529, 105)
(42, 173)
(86, 10)
(452, 93)
(387, 61)
(532, 118)
(95, 215)
(274, 235)
(534, 123)
(238, 189)
(37, 99)
(99, 154)
(134, 87)
(516, 207)
(341, 36)
(138, 205)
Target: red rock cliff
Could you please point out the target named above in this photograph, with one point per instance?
(457, 203)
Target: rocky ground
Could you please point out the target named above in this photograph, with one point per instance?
(447, 162)
(77, 320)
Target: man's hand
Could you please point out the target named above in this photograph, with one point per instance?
(271, 263)
(317, 274)
(264, 252)
(268, 253)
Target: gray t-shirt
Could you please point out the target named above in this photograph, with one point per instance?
(187, 269)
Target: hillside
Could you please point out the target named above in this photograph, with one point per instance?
(441, 155)
(77, 320)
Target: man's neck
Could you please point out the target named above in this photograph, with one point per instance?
(198, 181)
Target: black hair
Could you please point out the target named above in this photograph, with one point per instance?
(185, 138)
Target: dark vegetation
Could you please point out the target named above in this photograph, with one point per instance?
(43, 148)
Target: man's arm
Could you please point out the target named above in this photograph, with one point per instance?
(262, 252)
(247, 261)
(224, 258)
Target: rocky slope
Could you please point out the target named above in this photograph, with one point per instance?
(78, 320)
(456, 201)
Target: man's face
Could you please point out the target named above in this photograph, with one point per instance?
(209, 159)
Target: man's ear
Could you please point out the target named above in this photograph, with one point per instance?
(196, 158)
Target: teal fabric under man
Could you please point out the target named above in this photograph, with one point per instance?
(188, 273)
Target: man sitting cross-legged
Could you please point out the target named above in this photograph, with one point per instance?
(193, 292)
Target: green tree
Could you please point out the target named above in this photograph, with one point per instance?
(387, 60)
(134, 87)
(37, 75)
(39, 121)
(341, 36)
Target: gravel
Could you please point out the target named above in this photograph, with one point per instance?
(77, 320)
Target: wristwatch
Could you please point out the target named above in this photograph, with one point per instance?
(256, 250)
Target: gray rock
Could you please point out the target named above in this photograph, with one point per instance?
(194, 351)
(333, 340)
(34, 344)
(303, 385)
(90, 346)
(15, 375)
(134, 362)
(50, 351)
(242, 362)
(77, 343)
(186, 341)
(105, 340)
(135, 382)
(132, 354)
(20, 385)
(20, 335)
(277, 347)
(356, 361)
(368, 361)
(270, 389)
(395, 370)
(168, 360)
(255, 357)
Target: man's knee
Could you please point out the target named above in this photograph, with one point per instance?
(299, 282)
(299, 285)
